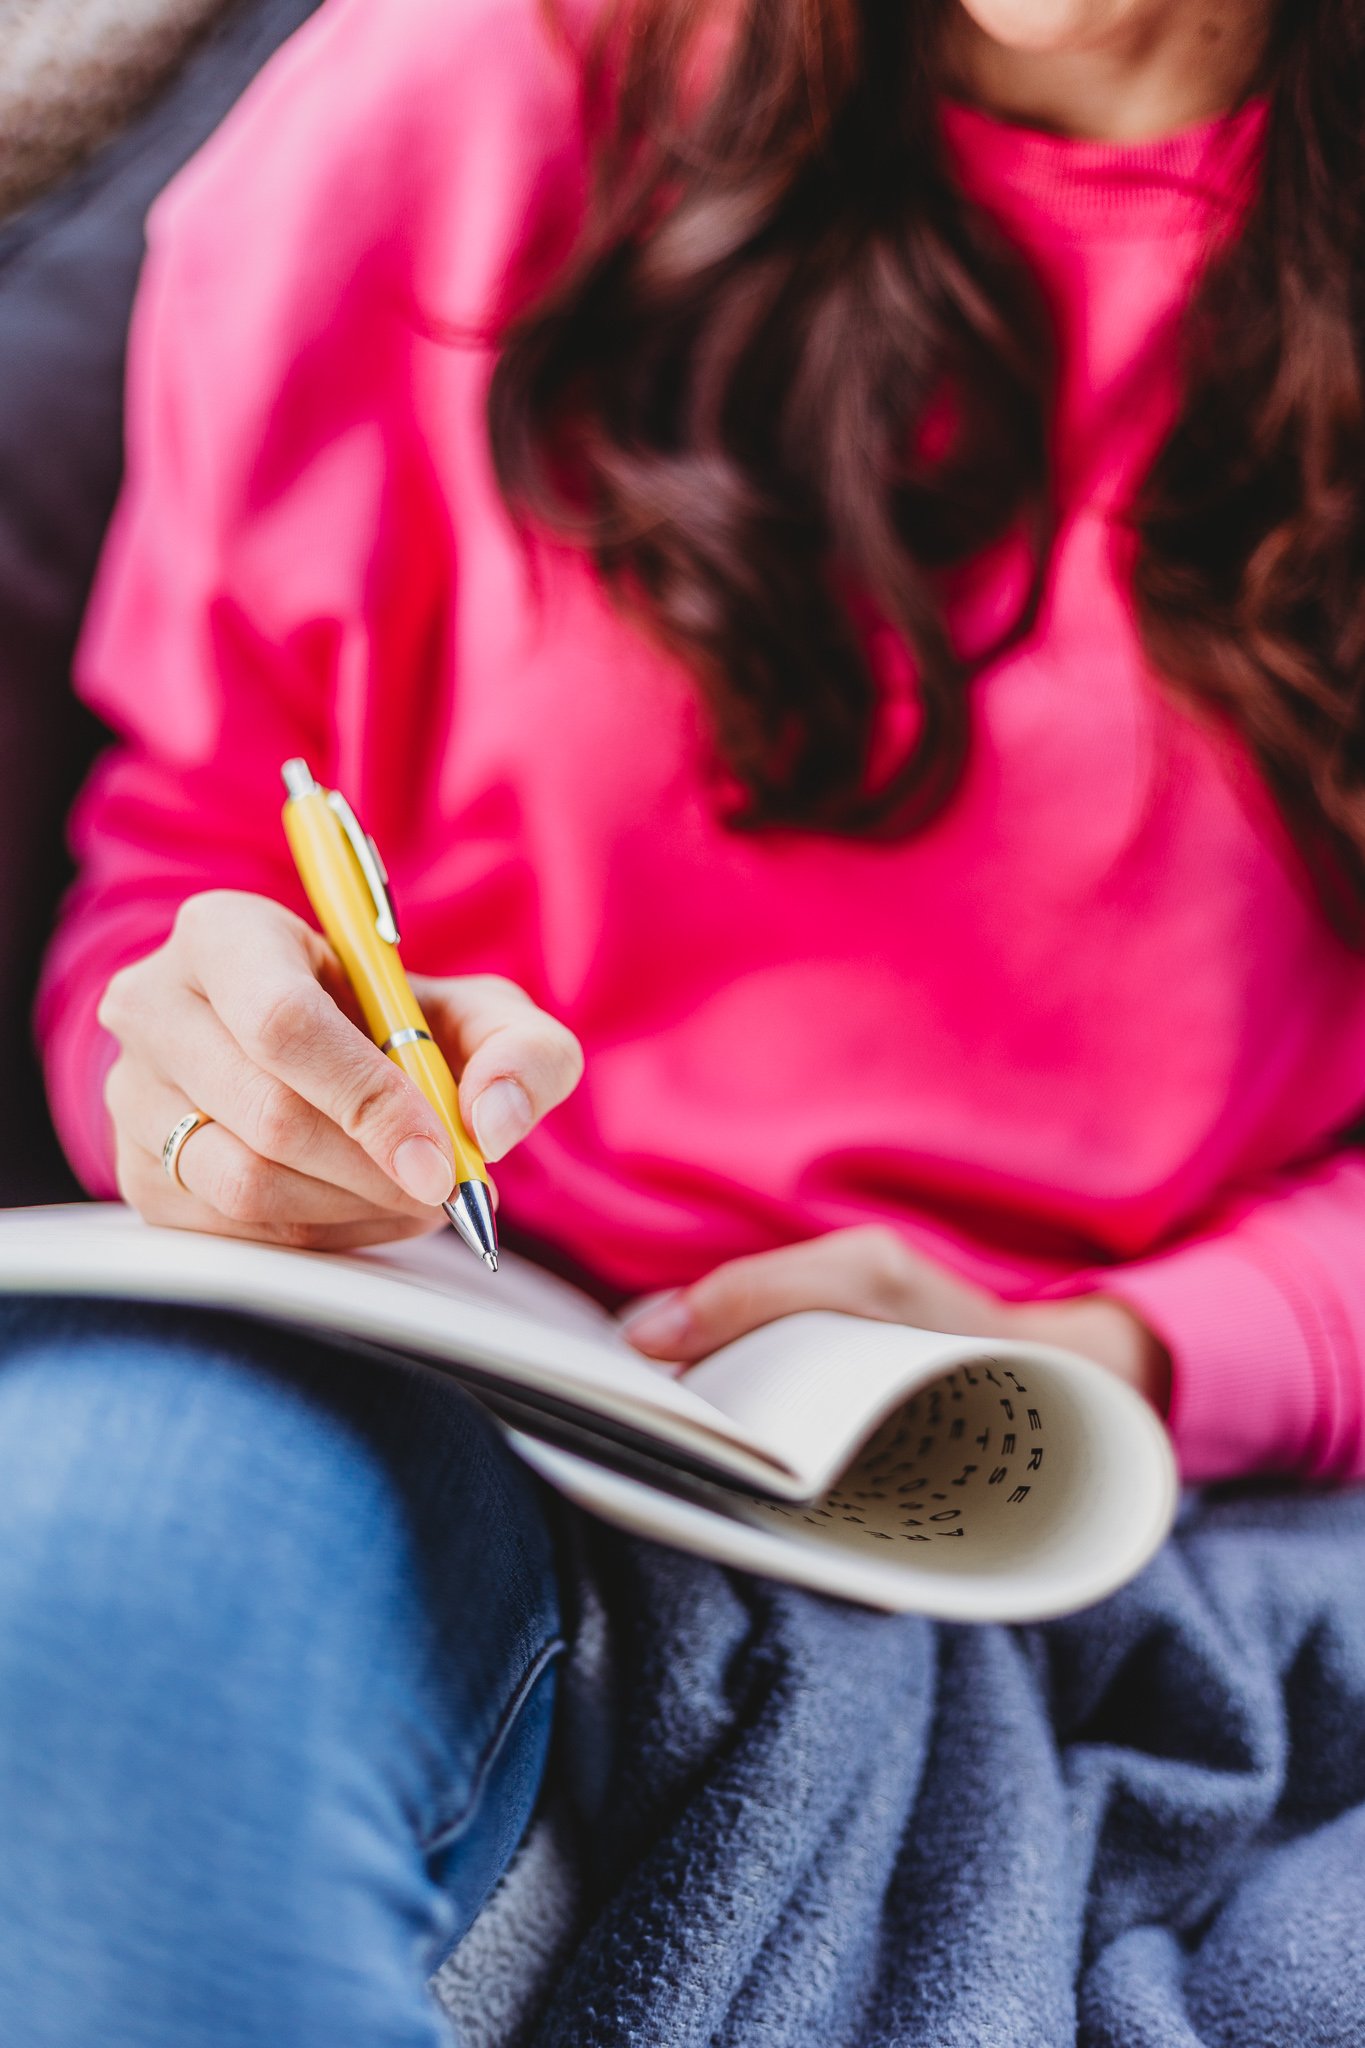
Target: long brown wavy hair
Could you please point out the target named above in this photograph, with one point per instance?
(789, 376)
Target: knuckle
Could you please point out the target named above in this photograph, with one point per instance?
(369, 1106)
(542, 1056)
(202, 911)
(242, 1191)
(884, 1264)
(278, 1121)
(287, 1022)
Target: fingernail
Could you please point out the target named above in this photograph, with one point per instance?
(424, 1171)
(502, 1117)
(665, 1325)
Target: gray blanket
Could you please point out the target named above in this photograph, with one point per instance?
(780, 1821)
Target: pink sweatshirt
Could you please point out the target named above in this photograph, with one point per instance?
(1089, 1030)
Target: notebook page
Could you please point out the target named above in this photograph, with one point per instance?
(444, 1265)
(810, 1387)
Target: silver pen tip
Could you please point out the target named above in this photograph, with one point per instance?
(470, 1209)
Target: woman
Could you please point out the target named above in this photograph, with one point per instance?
(824, 543)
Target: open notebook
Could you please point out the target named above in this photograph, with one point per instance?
(897, 1467)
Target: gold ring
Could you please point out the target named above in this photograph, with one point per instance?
(175, 1144)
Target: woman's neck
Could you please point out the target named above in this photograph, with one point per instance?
(1163, 67)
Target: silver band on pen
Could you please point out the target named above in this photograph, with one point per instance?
(408, 1037)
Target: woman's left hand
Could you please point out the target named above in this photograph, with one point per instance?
(871, 1272)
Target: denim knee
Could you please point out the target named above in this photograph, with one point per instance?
(197, 1533)
(272, 1616)
(154, 1488)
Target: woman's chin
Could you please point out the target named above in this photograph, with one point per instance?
(1052, 27)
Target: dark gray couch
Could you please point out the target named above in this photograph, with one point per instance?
(68, 271)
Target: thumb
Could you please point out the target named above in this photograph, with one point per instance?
(515, 1061)
(740, 1296)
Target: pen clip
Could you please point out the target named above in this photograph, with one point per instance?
(370, 865)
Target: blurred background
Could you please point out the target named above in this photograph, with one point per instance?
(101, 102)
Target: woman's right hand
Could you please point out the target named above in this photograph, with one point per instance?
(317, 1140)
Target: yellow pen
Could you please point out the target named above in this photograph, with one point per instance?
(344, 877)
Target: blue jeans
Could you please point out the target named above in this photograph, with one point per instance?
(278, 1634)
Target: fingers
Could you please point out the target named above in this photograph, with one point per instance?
(866, 1272)
(314, 1136)
(260, 975)
(208, 1068)
(225, 1175)
(515, 1062)
(142, 1183)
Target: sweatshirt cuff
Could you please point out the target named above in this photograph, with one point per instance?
(1247, 1380)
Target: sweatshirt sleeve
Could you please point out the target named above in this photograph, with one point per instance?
(280, 540)
(212, 659)
(1263, 1313)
